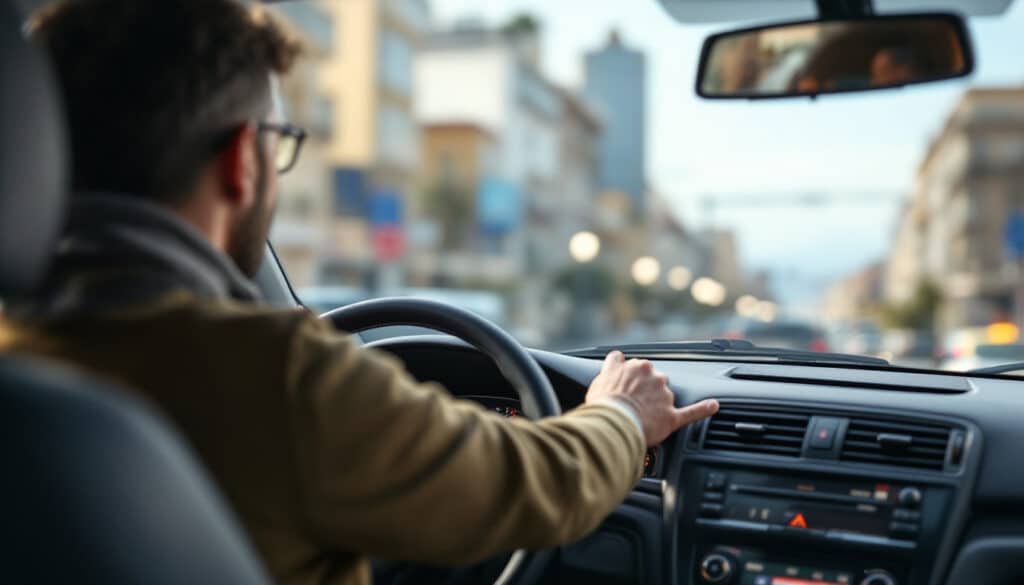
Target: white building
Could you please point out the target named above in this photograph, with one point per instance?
(493, 81)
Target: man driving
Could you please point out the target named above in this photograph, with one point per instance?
(329, 453)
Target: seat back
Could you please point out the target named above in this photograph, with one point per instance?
(95, 488)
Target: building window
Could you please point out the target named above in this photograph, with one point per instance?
(395, 62)
(414, 14)
(322, 117)
(397, 139)
(314, 24)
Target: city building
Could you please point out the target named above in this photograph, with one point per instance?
(671, 243)
(616, 88)
(722, 258)
(856, 296)
(577, 181)
(302, 231)
(448, 240)
(360, 102)
(953, 231)
(522, 214)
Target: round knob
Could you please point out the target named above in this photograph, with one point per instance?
(716, 568)
(910, 497)
(879, 578)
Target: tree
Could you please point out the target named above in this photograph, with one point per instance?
(919, 313)
(452, 206)
(522, 23)
(586, 282)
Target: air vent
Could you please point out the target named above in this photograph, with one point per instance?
(903, 444)
(755, 430)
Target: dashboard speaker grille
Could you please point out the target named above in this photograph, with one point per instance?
(756, 430)
(899, 443)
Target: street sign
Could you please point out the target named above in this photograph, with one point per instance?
(1013, 235)
(350, 191)
(384, 215)
(499, 206)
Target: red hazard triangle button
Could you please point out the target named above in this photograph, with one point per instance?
(798, 521)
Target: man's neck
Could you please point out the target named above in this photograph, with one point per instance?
(204, 212)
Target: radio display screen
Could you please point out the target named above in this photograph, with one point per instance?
(816, 505)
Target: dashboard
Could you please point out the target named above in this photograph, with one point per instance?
(808, 475)
(510, 407)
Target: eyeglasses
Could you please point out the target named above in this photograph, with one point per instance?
(288, 145)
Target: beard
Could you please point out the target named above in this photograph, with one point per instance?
(249, 242)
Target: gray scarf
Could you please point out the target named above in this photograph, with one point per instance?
(118, 251)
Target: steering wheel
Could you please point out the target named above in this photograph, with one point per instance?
(515, 363)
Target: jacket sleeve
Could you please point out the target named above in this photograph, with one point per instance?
(403, 471)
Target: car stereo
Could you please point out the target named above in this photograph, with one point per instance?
(888, 512)
(758, 526)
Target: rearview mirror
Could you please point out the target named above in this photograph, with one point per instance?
(832, 56)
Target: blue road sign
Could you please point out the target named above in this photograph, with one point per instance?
(1013, 235)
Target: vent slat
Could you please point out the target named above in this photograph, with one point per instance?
(783, 431)
(734, 436)
(752, 447)
(868, 446)
(747, 415)
(926, 449)
(870, 436)
(901, 461)
(729, 425)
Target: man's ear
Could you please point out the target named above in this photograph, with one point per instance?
(237, 166)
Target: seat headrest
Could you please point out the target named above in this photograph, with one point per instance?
(33, 158)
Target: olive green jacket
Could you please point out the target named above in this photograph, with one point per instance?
(329, 452)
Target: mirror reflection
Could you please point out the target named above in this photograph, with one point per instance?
(832, 56)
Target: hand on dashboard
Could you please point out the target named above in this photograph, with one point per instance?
(637, 384)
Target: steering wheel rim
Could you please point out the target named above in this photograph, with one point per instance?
(515, 363)
(536, 394)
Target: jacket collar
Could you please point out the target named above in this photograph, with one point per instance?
(118, 250)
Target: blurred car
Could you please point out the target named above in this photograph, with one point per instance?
(860, 338)
(676, 328)
(321, 299)
(783, 334)
(985, 356)
(980, 347)
(910, 348)
(489, 305)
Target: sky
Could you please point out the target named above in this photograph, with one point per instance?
(868, 142)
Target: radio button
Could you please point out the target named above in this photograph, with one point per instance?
(710, 510)
(904, 529)
(716, 568)
(715, 482)
(906, 515)
(910, 497)
(879, 578)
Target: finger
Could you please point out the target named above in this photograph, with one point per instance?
(613, 358)
(695, 412)
(661, 378)
(641, 365)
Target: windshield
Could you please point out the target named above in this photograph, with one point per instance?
(559, 176)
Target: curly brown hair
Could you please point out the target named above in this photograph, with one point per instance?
(152, 86)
